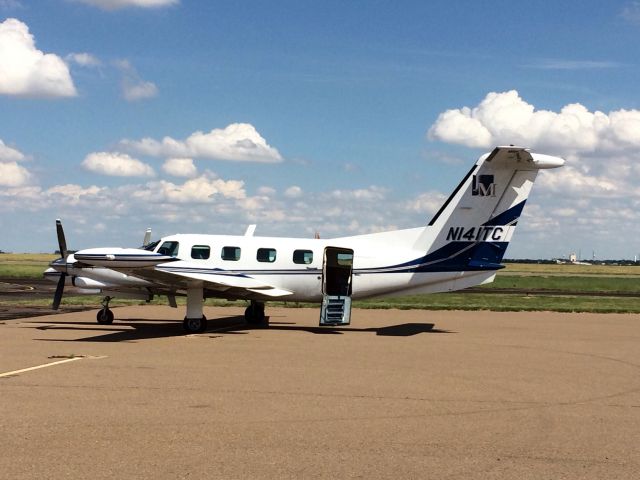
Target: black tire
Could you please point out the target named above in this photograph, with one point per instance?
(254, 315)
(195, 325)
(104, 317)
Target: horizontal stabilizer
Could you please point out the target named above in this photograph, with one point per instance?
(480, 265)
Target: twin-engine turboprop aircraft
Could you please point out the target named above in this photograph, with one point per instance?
(462, 246)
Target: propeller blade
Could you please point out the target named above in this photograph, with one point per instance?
(57, 297)
(147, 237)
(62, 242)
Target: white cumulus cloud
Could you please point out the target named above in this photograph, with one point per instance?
(74, 195)
(83, 59)
(180, 167)
(116, 164)
(203, 189)
(118, 4)
(293, 192)
(266, 191)
(427, 203)
(370, 194)
(27, 71)
(134, 88)
(505, 118)
(238, 142)
(13, 175)
(9, 154)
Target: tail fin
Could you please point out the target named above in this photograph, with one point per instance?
(474, 226)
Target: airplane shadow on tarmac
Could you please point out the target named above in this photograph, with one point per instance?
(139, 329)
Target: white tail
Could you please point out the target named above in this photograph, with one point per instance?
(472, 229)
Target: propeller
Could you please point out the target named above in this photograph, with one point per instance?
(61, 263)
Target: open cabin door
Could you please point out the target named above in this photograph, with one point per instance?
(337, 269)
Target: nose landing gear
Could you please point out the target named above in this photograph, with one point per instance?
(105, 315)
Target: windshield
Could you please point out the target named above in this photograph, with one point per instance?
(151, 246)
(169, 248)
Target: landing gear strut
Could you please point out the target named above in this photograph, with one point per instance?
(194, 321)
(254, 314)
(105, 316)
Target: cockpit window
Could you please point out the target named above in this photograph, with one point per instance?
(169, 248)
(151, 246)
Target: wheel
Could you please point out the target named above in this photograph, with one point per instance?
(104, 316)
(195, 325)
(254, 314)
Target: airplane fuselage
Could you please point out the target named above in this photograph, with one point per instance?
(377, 265)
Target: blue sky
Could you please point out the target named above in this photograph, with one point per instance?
(334, 101)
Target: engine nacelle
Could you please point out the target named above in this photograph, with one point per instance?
(90, 283)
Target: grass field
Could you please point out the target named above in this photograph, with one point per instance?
(563, 283)
(508, 303)
(570, 270)
(518, 287)
(24, 265)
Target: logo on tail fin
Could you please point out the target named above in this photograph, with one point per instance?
(483, 186)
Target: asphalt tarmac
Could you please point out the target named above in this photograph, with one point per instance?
(398, 394)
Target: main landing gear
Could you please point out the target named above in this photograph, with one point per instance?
(194, 321)
(254, 314)
(105, 315)
(195, 325)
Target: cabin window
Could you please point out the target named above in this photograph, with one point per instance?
(169, 248)
(266, 255)
(231, 253)
(303, 256)
(200, 252)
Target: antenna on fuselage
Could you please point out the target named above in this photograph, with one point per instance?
(250, 231)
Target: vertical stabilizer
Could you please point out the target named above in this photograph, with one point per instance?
(472, 229)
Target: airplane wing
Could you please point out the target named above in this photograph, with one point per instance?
(236, 285)
(170, 274)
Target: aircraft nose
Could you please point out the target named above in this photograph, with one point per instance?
(59, 265)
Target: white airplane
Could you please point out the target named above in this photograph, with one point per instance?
(461, 246)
